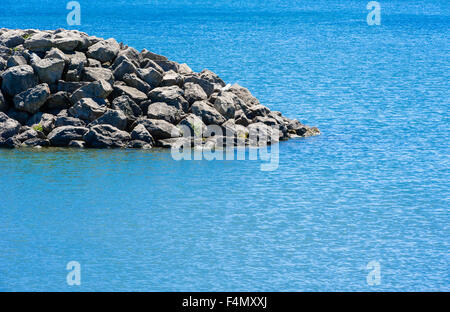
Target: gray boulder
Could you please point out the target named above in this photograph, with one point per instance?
(62, 136)
(96, 89)
(131, 92)
(173, 96)
(56, 53)
(8, 126)
(70, 87)
(49, 70)
(161, 110)
(38, 43)
(125, 67)
(36, 142)
(112, 117)
(192, 126)
(59, 100)
(87, 109)
(140, 133)
(134, 81)
(208, 114)
(151, 76)
(62, 121)
(32, 99)
(103, 136)
(16, 60)
(77, 144)
(172, 78)
(139, 145)
(125, 104)
(98, 73)
(43, 120)
(194, 92)
(18, 79)
(159, 129)
(104, 51)
(225, 104)
(257, 110)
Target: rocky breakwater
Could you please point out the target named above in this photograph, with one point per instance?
(68, 89)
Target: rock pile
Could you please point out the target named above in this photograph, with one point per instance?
(66, 88)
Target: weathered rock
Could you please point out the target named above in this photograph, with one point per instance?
(43, 120)
(208, 114)
(104, 51)
(62, 136)
(173, 96)
(103, 136)
(257, 110)
(18, 79)
(172, 78)
(125, 104)
(151, 76)
(62, 121)
(59, 100)
(26, 135)
(135, 94)
(11, 142)
(139, 144)
(20, 116)
(49, 70)
(70, 87)
(161, 110)
(192, 125)
(125, 67)
(8, 126)
(56, 53)
(159, 129)
(194, 92)
(77, 144)
(36, 142)
(94, 74)
(12, 39)
(68, 44)
(39, 42)
(261, 134)
(175, 143)
(32, 99)
(87, 109)
(96, 89)
(145, 54)
(244, 94)
(225, 104)
(16, 60)
(112, 117)
(134, 81)
(140, 133)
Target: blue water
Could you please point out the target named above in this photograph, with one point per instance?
(373, 186)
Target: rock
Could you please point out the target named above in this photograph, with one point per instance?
(175, 143)
(159, 129)
(16, 60)
(208, 114)
(94, 74)
(44, 121)
(33, 99)
(168, 65)
(102, 136)
(20, 116)
(68, 44)
(125, 104)
(38, 43)
(12, 39)
(62, 121)
(161, 110)
(125, 67)
(207, 86)
(18, 79)
(3, 104)
(244, 94)
(11, 142)
(94, 63)
(184, 69)
(36, 142)
(49, 70)
(59, 100)
(56, 53)
(8, 126)
(194, 92)
(62, 136)
(151, 76)
(133, 93)
(112, 117)
(260, 134)
(241, 119)
(104, 51)
(139, 145)
(192, 126)
(87, 109)
(225, 104)
(172, 78)
(2, 64)
(145, 54)
(134, 81)
(173, 96)
(26, 135)
(77, 144)
(140, 133)
(257, 110)
(96, 89)
(70, 87)
(230, 128)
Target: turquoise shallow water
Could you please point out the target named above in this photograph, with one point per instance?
(373, 186)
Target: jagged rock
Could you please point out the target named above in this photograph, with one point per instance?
(68, 44)
(145, 54)
(161, 110)
(62, 136)
(192, 126)
(49, 70)
(43, 120)
(135, 94)
(11, 142)
(2, 63)
(62, 121)
(16, 60)
(230, 128)
(167, 65)
(56, 53)
(257, 110)
(87, 109)
(125, 67)
(96, 89)
(184, 69)
(140, 133)
(12, 39)
(194, 92)
(70, 87)
(104, 51)
(38, 43)
(102, 136)
(241, 119)
(173, 96)
(59, 100)
(26, 135)
(139, 145)
(77, 144)
(244, 94)
(151, 76)
(20, 116)
(159, 129)
(18, 79)
(32, 99)
(134, 81)
(94, 74)
(125, 104)
(112, 117)
(172, 78)
(94, 63)
(36, 142)
(8, 126)
(225, 104)
(208, 114)
(207, 86)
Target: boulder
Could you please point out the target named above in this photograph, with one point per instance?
(208, 114)
(26, 135)
(104, 51)
(172, 78)
(62, 136)
(87, 109)
(96, 89)
(98, 73)
(68, 44)
(257, 110)
(151, 76)
(161, 110)
(36, 142)
(45, 121)
(225, 104)
(126, 105)
(49, 70)
(159, 129)
(59, 100)
(125, 67)
(194, 92)
(175, 143)
(56, 53)
(70, 87)
(103, 136)
(16, 60)
(139, 144)
(62, 121)
(140, 133)
(245, 95)
(11, 142)
(18, 79)
(131, 92)
(112, 117)
(173, 96)
(134, 81)
(145, 54)
(192, 126)
(77, 144)
(8, 126)
(38, 43)
(32, 99)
